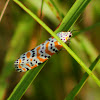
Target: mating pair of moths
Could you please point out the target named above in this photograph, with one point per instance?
(41, 53)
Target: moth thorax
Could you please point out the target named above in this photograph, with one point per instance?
(64, 36)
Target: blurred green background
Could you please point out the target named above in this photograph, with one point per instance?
(19, 33)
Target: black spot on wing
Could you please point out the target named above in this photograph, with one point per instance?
(32, 50)
(50, 47)
(33, 54)
(39, 63)
(45, 56)
(23, 57)
(53, 49)
(18, 70)
(31, 64)
(48, 56)
(27, 68)
(56, 50)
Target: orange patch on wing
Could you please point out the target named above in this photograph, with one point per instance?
(47, 51)
(19, 66)
(28, 65)
(20, 61)
(38, 55)
(33, 66)
(31, 59)
(57, 45)
(28, 55)
(24, 69)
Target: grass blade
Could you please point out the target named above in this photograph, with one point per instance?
(4, 9)
(54, 9)
(25, 82)
(78, 87)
